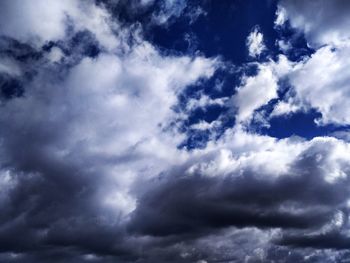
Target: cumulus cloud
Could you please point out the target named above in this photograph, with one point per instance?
(235, 184)
(258, 90)
(91, 127)
(323, 22)
(319, 81)
(91, 168)
(255, 43)
(59, 17)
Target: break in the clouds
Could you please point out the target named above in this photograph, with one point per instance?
(161, 131)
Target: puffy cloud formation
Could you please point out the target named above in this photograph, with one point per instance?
(257, 90)
(323, 22)
(59, 17)
(91, 168)
(316, 86)
(255, 43)
(232, 185)
(321, 81)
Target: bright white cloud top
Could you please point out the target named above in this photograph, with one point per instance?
(255, 43)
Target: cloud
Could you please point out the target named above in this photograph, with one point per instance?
(256, 91)
(70, 185)
(322, 22)
(169, 8)
(59, 17)
(284, 108)
(92, 127)
(150, 13)
(281, 16)
(248, 181)
(91, 168)
(319, 81)
(255, 43)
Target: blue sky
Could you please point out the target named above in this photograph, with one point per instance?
(174, 131)
(222, 30)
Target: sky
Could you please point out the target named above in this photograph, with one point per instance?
(174, 131)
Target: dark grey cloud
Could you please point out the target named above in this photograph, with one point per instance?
(301, 199)
(321, 241)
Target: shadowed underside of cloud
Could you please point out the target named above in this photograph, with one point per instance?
(190, 202)
(91, 168)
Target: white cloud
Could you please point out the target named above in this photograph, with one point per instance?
(46, 21)
(323, 22)
(203, 101)
(55, 54)
(321, 82)
(110, 111)
(257, 91)
(39, 22)
(203, 125)
(255, 43)
(281, 16)
(239, 152)
(107, 116)
(284, 108)
(254, 93)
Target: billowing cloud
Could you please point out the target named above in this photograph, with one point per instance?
(255, 43)
(90, 127)
(320, 82)
(59, 18)
(323, 22)
(316, 86)
(256, 91)
(302, 191)
(92, 167)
